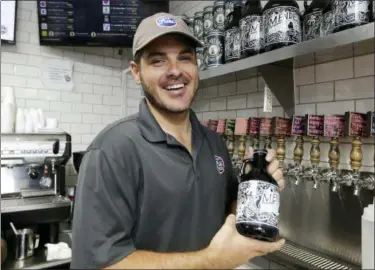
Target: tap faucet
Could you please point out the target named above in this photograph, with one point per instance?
(332, 173)
(281, 128)
(312, 173)
(296, 171)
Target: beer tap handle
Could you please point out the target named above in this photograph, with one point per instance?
(280, 151)
(334, 160)
(297, 158)
(312, 172)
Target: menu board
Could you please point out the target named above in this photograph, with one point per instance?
(355, 124)
(265, 127)
(370, 124)
(281, 126)
(314, 125)
(8, 21)
(93, 22)
(298, 125)
(254, 126)
(334, 126)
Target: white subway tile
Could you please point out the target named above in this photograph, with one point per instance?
(249, 85)
(26, 93)
(106, 71)
(56, 115)
(362, 87)
(261, 84)
(116, 72)
(338, 107)
(116, 110)
(34, 83)
(316, 92)
(255, 100)
(110, 80)
(236, 102)
(34, 38)
(78, 77)
(49, 95)
(304, 75)
(91, 118)
(303, 109)
(37, 104)
(364, 65)
(82, 108)
(83, 67)
(87, 138)
(134, 110)
(65, 127)
(227, 89)
(81, 128)
(101, 109)
(134, 93)
(91, 78)
(22, 36)
(218, 104)
(226, 114)
(103, 90)
(27, 48)
(22, 70)
(201, 105)
(34, 60)
(60, 106)
(71, 118)
(276, 111)
(11, 80)
(92, 99)
(7, 68)
(119, 92)
(210, 115)
(112, 62)
(25, 25)
(132, 102)
(94, 59)
(336, 70)
(76, 139)
(71, 97)
(13, 58)
(83, 88)
(109, 100)
(96, 128)
(108, 119)
(21, 103)
(23, 14)
(247, 113)
(74, 56)
(364, 105)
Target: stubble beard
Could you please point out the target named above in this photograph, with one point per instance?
(160, 106)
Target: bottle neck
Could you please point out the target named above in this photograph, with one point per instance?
(259, 159)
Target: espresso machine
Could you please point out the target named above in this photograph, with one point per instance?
(33, 201)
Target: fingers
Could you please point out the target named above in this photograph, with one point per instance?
(270, 155)
(273, 166)
(231, 220)
(267, 247)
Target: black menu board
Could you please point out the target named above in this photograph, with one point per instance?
(93, 22)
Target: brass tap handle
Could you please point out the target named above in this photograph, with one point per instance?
(315, 151)
(334, 153)
(242, 147)
(231, 145)
(280, 151)
(298, 150)
(356, 154)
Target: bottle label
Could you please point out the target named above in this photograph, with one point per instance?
(215, 50)
(282, 24)
(198, 28)
(258, 202)
(207, 22)
(328, 23)
(200, 59)
(232, 44)
(219, 17)
(350, 12)
(251, 33)
(229, 7)
(312, 25)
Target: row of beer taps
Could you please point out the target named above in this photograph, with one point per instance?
(261, 130)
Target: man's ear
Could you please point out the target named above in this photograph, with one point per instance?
(136, 71)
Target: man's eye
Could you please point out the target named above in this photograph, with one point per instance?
(157, 61)
(184, 58)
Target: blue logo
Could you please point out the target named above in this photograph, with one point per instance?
(220, 164)
(165, 21)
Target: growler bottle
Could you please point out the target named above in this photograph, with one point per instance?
(232, 34)
(282, 24)
(313, 19)
(258, 200)
(349, 14)
(328, 20)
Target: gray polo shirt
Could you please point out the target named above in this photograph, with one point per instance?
(139, 188)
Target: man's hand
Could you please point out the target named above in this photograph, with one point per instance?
(228, 249)
(273, 167)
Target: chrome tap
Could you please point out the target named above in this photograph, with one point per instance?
(332, 173)
(296, 170)
(313, 173)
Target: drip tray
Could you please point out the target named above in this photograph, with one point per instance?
(297, 257)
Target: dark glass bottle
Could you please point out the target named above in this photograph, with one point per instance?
(258, 200)
(328, 20)
(349, 14)
(251, 28)
(282, 24)
(312, 19)
(232, 35)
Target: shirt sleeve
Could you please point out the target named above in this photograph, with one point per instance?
(104, 211)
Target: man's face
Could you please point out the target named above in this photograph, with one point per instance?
(168, 73)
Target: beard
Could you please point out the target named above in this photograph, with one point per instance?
(160, 105)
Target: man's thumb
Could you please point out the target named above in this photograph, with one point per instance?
(231, 220)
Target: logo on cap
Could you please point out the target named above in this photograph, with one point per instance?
(165, 21)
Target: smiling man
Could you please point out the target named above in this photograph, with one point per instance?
(155, 188)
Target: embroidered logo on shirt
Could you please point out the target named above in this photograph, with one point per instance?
(220, 164)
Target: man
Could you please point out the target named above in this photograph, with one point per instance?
(154, 188)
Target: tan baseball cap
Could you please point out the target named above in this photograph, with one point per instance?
(158, 25)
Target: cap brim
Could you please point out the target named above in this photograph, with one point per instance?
(191, 37)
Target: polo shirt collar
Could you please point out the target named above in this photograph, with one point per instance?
(151, 129)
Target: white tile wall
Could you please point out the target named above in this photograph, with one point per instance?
(97, 97)
(328, 82)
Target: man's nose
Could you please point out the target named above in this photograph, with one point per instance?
(174, 70)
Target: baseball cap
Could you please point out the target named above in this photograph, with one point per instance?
(158, 25)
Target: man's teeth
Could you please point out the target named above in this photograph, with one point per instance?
(176, 86)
